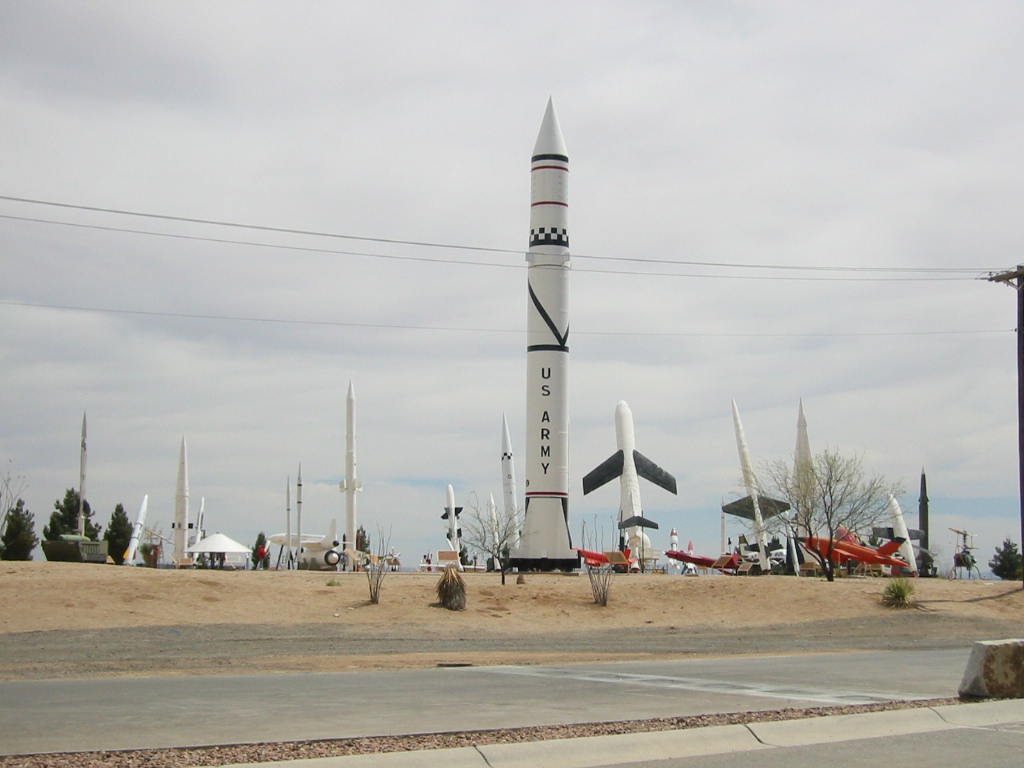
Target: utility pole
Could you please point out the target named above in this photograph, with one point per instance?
(1015, 279)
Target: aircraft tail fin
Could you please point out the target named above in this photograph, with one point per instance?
(607, 470)
(648, 470)
(890, 547)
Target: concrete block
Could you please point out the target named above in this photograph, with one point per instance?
(995, 670)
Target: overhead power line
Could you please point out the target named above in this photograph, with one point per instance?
(413, 327)
(479, 249)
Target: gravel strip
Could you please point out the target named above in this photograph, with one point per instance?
(301, 750)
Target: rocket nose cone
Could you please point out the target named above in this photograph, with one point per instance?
(549, 139)
(351, 391)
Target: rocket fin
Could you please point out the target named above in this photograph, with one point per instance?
(648, 470)
(607, 470)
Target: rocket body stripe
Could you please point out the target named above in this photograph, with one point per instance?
(545, 543)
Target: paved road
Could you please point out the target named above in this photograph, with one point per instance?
(187, 711)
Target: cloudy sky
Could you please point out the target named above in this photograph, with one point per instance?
(769, 201)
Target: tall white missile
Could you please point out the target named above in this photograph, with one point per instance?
(180, 524)
(288, 523)
(298, 519)
(350, 486)
(81, 483)
(508, 481)
(133, 542)
(492, 512)
(545, 543)
(750, 482)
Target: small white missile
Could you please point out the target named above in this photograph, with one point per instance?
(508, 481)
(451, 515)
(133, 542)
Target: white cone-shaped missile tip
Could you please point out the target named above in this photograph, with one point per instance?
(351, 391)
(506, 439)
(549, 139)
(802, 454)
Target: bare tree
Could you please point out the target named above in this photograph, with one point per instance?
(829, 495)
(377, 565)
(490, 532)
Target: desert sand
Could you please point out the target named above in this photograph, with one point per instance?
(63, 619)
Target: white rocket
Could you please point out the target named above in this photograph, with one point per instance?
(508, 481)
(629, 465)
(750, 481)
(180, 524)
(81, 483)
(899, 526)
(287, 523)
(350, 486)
(133, 542)
(451, 514)
(298, 519)
(545, 543)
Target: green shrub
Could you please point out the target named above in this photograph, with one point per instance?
(898, 594)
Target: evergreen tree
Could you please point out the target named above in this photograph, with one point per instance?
(260, 545)
(362, 540)
(64, 518)
(1007, 562)
(119, 533)
(19, 537)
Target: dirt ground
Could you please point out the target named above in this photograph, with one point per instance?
(81, 620)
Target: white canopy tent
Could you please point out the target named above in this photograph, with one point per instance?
(219, 544)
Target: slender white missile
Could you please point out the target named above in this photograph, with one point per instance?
(508, 482)
(133, 542)
(197, 530)
(180, 524)
(545, 543)
(750, 481)
(288, 523)
(492, 511)
(298, 518)
(350, 486)
(451, 515)
(899, 525)
(803, 465)
(81, 483)
(629, 465)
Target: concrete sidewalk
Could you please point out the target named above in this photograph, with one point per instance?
(695, 742)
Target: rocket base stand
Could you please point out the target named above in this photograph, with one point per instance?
(545, 522)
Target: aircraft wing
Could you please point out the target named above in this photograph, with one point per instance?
(607, 470)
(745, 507)
(648, 470)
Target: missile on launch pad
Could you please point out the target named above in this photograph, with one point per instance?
(545, 543)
